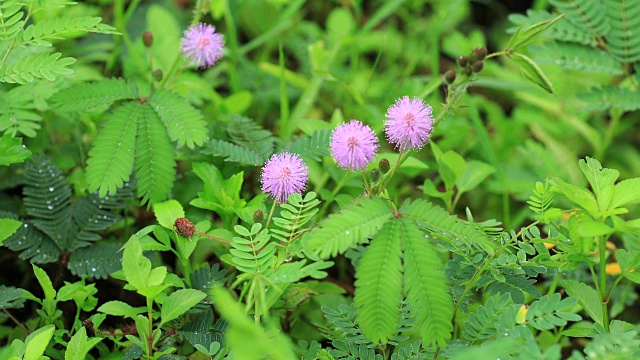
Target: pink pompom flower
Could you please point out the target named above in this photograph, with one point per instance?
(409, 123)
(353, 145)
(284, 174)
(202, 45)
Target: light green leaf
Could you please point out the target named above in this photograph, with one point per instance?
(629, 264)
(45, 282)
(601, 181)
(523, 37)
(167, 212)
(590, 228)
(180, 302)
(625, 192)
(12, 151)
(577, 195)
(37, 342)
(587, 297)
(119, 308)
(531, 71)
(135, 265)
(79, 346)
(7, 228)
(474, 174)
(157, 276)
(451, 167)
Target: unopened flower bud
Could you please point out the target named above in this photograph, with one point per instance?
(477, 66)
(258, 216)
(479, 53)
(374, 176)
(467, 71)
(462, 61)
(450, 77)
(157, 75)
(384, 166)
(147, 39)
(184, 227)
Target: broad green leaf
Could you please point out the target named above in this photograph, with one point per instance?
(7, 228)
(167, 212)
(157, 276)
(625, 192)
(45, 282)
(119, 308)
(474, 174)
(629, 264)
(135, 265)
(591, 228)
(577, 195)
(79, 345)
(37, 342)
(531, 71)
(12, 151)
(451, 167)
(601, 180)
(180, 302)
(587, 297)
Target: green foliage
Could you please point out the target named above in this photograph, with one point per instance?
(12, 151)
(587, 297)
(97, 261)
(351, 226)
(312, 147)
(622, 16)
(564, 29)
(611, 97)
(233, 153)
(495, 317)
(294, 216)
(253, 252)
(41, 66)
(589, 15)
(183, 122)
(93, 97)
(576, 57)
(549, 312)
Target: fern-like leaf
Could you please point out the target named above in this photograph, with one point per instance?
(32, 243)
(253, 252)
(440, 224)
(294, 215)
(549, 312)
(97, 261)
(576, 57)
(184, 123)
(11, 21)
(426, 286)
(246, 133)
(589, 15)
(111, 159)
(623, 40)
(58, 28)
(563, 29)
(379, 284)
(42, 66)
(21, 107)
(96, 96)
(47, 199)
(496, 316)
(355, 224)
(609, 96)
(154, 159)
(313, 147)
(233, 153)
(344, 323)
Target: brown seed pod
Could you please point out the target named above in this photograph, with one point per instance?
(184, 227)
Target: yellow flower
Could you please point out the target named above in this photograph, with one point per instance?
(521, 315)
(613, 269)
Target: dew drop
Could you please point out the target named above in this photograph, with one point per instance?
(347, 232)
(93, 269)
(50, 207)
(51, 189)
(288, 259)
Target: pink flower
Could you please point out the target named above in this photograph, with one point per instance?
(409, 123)
(353, 145)
(284, 174)
(202, 45)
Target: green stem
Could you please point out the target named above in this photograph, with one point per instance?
(603, 280)
(273, 208)
(232, 35)
(554, 284)
(150, 339)
(339, 185)
(609, 134)
(402, 157)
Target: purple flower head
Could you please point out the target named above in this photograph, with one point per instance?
(409, 123)
(202, 45)
(284, 174)
(353, 145)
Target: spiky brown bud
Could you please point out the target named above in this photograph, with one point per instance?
(467, 71)
(450, 77)
(477, 66)
(374, 176)
(147, 39)
(384, 166)
(462, 61)
(258, 216)
(479, 53)
(184, 227)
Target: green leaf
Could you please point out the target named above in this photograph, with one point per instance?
(610, 97)
(523, 37)
(119, 308)
(474, 174)
(79, 345)
(625, 192)
(629, 264)
(95, 96)
(135, 265)
(42, 66)
(531, 71)
(180, 302)
(451, 167)
(379, 284)
(7, 228)
(622, 41)
(577, 195)
(37, 342)
(426, 285)
(111, 159)
(589, 15)
(587, 297)
(355, 224)
(167, 212)
(590, 228)
(45, 283)
(601, 181)
(12, 151)
(184, 123)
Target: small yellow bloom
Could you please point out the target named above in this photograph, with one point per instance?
(613, 269)
(549, 245)
(521, 315)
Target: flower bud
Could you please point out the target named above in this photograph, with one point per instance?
(374, 176)
(258, 216)
(467, 71)
(462, 61)
(147, 39)
(450, 77)
(479, 53)
(477, 66)
(384, 166)
(184, 227)
(157, 75)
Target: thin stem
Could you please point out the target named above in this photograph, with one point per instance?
(150, 315)
(402, 157)
(273, 208)
(16, 321)
(212, 237)
(602, 242)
